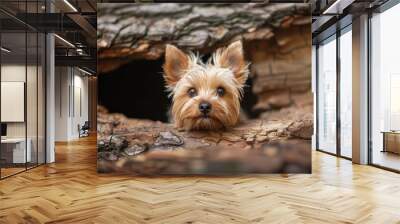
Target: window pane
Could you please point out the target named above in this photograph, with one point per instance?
(345, 94)
(327, 96)
(385, 86)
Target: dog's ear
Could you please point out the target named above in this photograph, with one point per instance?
(232, 57)
(176, 63)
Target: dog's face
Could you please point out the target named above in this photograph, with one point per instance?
(205, 96)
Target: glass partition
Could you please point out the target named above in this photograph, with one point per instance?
(32, 98)
(14, 144)
(34, 87)
(22, 88)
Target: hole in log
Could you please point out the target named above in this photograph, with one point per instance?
(137, 91)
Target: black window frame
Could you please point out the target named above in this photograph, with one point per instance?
(341, 27)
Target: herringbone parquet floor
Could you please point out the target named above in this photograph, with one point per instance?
(70, 191)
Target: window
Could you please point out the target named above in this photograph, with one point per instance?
(327, 95)
(346, 92)
(385, 89)
(334, 106)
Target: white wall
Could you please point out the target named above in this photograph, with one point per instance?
(71, 102)
(80, 104)
(10, 73)
(16, 72)
(33, 126)
(62, 81)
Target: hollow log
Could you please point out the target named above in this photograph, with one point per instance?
(277, 43)
(276, 38)
(254, 146)
(140, 31)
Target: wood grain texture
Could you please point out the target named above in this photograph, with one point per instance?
(70, 191)
(127, 31)
(253, 146)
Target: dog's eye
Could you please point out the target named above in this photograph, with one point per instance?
(220, 91)
(192, 92)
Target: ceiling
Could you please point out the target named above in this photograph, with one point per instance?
(330, 15)
(74, 22)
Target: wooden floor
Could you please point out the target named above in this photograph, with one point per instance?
(387, 159)
(5, 172)
(70, 191)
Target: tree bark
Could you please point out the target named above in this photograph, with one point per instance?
(254, 146)
(277, 42)
(140, 31)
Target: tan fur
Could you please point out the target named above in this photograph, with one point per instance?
(182, 72)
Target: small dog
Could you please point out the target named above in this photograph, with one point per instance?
(205, 96)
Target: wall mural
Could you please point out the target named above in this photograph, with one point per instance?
(213, 89)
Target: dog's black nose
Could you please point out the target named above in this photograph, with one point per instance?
(205, 107)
